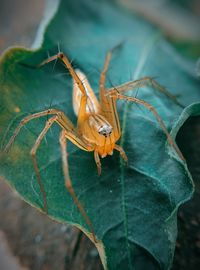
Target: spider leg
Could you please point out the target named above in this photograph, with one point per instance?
(103, 73)
(64, 122)
(77, 80)
(67, 63)
(122, 152)
(68, 183)
(146, 81)
(98, 162)
(105, 69)
(25, 120)
(108, 105)
(33, 155)
(152, 109)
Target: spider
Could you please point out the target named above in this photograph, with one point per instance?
(98, 127)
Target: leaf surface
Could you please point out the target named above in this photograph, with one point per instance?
(133, 208)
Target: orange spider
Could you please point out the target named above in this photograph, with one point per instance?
(98, 126)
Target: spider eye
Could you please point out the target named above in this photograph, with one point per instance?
(105, 130)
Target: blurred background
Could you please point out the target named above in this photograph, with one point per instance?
(28, 239)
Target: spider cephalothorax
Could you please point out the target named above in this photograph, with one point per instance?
(105, 130)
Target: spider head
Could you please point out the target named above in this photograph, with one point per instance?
(99, 124)
(105, 130)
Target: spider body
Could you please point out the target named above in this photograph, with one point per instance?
(98, 127)
(94, 127)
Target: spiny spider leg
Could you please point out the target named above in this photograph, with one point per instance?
(122, 152)
(25, 120)
(33, 155)
(108, 106)
(116, 95)
(67, 63)
(63, 121)
(146, 81)
(131, 85)
(79, 82)
(98, 162)
(68, 183)
(105, 68)
(104, 71)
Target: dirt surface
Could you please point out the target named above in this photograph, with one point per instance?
(7, 259)
(41, 243)
(19, 20)
(30, 240)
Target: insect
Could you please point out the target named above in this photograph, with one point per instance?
(98, 127)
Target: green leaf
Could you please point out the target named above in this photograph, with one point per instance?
(187, 49)
(132, 208)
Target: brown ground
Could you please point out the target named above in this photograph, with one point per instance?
(30, 240)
